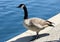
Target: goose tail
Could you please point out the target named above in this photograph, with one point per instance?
(51, 24)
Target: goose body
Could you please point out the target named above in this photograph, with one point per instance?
(34, 24)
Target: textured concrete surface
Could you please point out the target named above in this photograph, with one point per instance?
(49, 34)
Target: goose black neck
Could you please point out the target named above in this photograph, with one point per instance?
(25, 13)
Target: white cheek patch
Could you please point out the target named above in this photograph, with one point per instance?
(22, 6)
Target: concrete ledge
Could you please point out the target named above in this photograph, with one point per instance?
(47, 35)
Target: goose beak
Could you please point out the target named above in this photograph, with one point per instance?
(19, 6)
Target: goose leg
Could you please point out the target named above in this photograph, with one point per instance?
(37, 36)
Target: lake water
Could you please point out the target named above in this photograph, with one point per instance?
(11, 17)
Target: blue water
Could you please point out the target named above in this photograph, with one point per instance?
(11, 17)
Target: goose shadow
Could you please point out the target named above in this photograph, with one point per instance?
(30, 38)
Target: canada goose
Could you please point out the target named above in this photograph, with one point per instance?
(34, 24)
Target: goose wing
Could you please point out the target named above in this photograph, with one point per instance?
(40, 23)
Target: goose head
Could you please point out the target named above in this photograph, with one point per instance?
(21, 6)
(25, 10)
